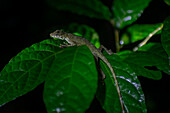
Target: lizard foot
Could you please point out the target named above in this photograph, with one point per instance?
(108, 51)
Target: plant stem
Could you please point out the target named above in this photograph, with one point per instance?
(147, 38)
(117, 40)
(116, 32)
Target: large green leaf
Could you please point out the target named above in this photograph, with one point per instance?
(139, 61)
(90, 8)
(165, 37)
(157, 50)
(72, 85)
(130, 87)
(128, 11)
(27, 70)
(142, 71)
(138, 32)
(70, 74)
(150, 55)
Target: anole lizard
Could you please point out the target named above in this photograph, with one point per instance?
(79, 41)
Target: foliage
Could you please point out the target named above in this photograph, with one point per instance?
(70, 74)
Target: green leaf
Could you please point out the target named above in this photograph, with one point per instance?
(72, 84)
(142, 71)
(167, 2)
(139, 60)
(149, 46)
(90, 8)
(138, 32)
(157, 50)
(165, 37)
(130, 87)
(150, 55)
(128, 11)
(121, 53)
(86, 31)
(27, 69)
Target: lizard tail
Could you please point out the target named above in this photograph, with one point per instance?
(117, 86)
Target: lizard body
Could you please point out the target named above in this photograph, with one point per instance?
(77, 40)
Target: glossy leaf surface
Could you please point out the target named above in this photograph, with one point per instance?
(27, 70)
(151, 55)
(130, 87)
(138, 32)
(157, 50)
(72, 85)
(128, 11)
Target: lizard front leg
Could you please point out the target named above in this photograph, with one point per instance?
(101, 74)
(108, 51)
(66, 45)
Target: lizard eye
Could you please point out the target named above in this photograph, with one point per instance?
(57, 31)
(58, 36)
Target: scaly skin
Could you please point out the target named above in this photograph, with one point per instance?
(77, 40)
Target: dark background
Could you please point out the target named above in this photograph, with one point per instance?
(24, 23)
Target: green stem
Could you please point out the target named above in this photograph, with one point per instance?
(117, 40)
(116, 36)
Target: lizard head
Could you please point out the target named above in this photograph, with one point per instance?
(58, 34)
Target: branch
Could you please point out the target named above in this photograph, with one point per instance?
(147, 38)
(116, 32)
(117, 40)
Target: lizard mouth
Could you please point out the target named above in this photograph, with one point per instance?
(54, 35)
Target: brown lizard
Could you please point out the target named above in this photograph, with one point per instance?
(79, 41)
